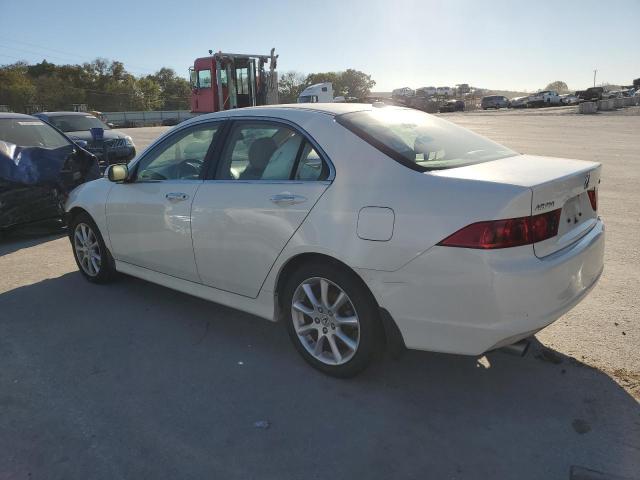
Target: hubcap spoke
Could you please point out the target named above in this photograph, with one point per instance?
(347, 321)
(339, 302)
(334, 348)
(324, 292)
(314, 308)
(302, 308)
(319, 344)
(304, 329)
(310, 295)
(350, 344)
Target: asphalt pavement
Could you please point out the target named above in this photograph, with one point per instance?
(132, 380)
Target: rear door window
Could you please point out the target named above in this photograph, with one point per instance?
(271, 152)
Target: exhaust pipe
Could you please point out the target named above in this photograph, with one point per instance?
(519, 348)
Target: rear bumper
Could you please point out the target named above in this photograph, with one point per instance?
(469, 301)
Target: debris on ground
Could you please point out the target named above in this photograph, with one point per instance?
(581, 426)
(264, 424)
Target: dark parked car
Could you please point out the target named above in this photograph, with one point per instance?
(494, 101)
(116, 147)
(452, 106)
(591, 94)
(39, 166)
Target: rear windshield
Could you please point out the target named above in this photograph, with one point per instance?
(30, 132)
(421, 141)
(76, 123)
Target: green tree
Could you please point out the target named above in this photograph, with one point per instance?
(16, 87)
(356, 83)
(149, 94)
(290, 84)
(558, 86)
(175, 91)
(350, 83)
(334, 77)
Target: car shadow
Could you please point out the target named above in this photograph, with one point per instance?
(30, 235)
(133, 380)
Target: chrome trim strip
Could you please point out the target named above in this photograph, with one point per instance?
(269, 182)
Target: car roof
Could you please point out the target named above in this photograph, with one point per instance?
(286, 109)
(59, 114)
(14, 115)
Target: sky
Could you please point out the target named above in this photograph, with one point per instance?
(499, 44)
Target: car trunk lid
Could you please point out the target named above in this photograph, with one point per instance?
(571, 194)
(555, 183)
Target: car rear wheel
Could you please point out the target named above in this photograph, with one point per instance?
(332, 319)
(89, 250)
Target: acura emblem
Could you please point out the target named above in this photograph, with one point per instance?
(586, 181)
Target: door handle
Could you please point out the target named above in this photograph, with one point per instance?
(176, 196)
(287, 199)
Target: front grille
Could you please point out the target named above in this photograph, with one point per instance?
(111, 144)
(116, 143)
(98, 149)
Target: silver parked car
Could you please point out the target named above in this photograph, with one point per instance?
(494, 101)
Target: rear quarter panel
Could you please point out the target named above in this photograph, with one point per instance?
(427, 208)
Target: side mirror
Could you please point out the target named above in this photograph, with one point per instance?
(82, 143)
(118, 172)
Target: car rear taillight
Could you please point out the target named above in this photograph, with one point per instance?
(511, 232)
(593, 198)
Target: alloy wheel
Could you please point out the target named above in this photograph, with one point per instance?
(325, 321)
(87, 249)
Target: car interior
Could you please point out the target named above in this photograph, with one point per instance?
(253, 152)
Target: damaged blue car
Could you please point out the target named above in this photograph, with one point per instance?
(39, 166)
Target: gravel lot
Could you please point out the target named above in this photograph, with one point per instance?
(132, 380)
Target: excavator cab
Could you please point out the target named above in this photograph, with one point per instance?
(224, 81)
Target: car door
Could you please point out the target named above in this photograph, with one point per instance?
(148, 217)
(268, 177)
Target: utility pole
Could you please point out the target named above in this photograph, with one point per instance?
(594, 76)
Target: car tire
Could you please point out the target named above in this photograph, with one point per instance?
(89, 250)
(337, 332)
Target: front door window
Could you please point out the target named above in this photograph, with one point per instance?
(180, 158)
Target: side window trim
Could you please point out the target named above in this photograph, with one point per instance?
(296, 162)
(161, 143)
(215, 175)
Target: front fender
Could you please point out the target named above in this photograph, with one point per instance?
(92, 197)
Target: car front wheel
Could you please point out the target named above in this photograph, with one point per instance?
(89, 250)
(332, 319)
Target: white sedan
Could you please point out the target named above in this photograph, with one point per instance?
(354, 224)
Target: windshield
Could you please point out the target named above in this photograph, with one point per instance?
(30, 133)
(308, 99)
(76, 123)
(421, 141)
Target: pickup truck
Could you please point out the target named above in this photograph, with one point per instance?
(544, 98)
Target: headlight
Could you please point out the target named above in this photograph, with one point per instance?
(129, 141)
